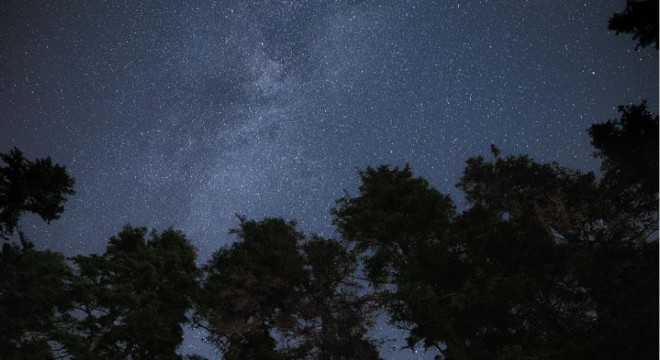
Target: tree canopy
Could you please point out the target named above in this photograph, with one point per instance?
(32, 294)
(38, 186)
(275, 284)
(639, 18)
(131, 301)
(547, 262)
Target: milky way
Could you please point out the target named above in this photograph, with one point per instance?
(184, 114)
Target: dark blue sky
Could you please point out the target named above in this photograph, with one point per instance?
(182, 114)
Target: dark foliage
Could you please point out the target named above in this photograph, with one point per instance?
(548, 263)
(639, 18)
(132, 300)
(274, 284)
(32, 295)
(628, 148)
(335, 318)
(39, 187)
(252, 288)
(393, 212)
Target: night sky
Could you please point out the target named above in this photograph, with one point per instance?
(184, 113)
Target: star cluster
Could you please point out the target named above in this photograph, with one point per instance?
(183, 114)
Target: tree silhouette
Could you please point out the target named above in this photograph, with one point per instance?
(33, 292)
(39, 187)
(33, 295)
(394, 210)
(628, 148)
(547, 262)
(276, 295)
(335, 317)
(639, 18)
(131, 301)
(251, 289)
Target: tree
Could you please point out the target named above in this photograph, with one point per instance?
(33, 297)
(399, 226)
(392, 212)
(127, 303)
(622, 270)
(628, 148)
(33, 283)
(276, 294)
(335, 317)
(39, 187)
(130, 302)
(552, 216)
(252, 288)
(535, 268)
(516, 187)
(639, 18)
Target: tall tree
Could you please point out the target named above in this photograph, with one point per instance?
(251, 289)
(400, 227)
(392, 213)
(38, 186)
(623, 267)
(33, 297)
(131, 301)
(624, 272)
(33, 283)
(628, 148)
(275, 294)
(335, 315)
(533, 269)
(553, 216)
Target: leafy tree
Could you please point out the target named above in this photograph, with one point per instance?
(537, 268)
(33, 296)
(335, 317)
(552, 216)
(127, 303)
(640, 18)
(516, 187)
(394, 210)
(469, 284)
(131, 301)
(274, 294)
(628, 148)
(621, 271)
(39, 187)
(397, 224)
(33, 283)
(251, 289)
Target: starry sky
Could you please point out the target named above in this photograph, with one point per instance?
(172, 113)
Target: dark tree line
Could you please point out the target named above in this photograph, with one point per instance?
(545, 263)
